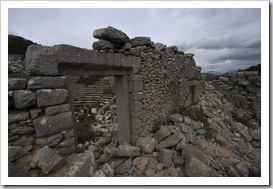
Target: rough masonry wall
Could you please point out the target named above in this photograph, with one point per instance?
(39, 117)
(165, 78)
(244, 90)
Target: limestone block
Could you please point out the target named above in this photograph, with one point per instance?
(49, 97)
(111, 34)
(22, 130)
(24, 99)
(162, 133)
(135, 106)
(49, 141)
(66, 142)
(107, 170)
(146, 144)
(244, 83)
(160, 46)
(34, 113)
(245, 134)
(124, 167)
(53, 110)
(49, 160)
(135, 125)
(135, 86)
(141, 41)
(165, 157)
(50, 125)
(219, 138)
(17, 116)
(25, 140)
(16, 152)
(191, 150)
(102, 45)
(256, 134)
(251, 73)
(64, 151)
(40, 60)
(17, 83)
(176, 118)
(170, 141)
(196, 168)
(224, 79)
(127, 150)
(46, 83)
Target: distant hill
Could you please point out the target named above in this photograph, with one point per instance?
(254, 68)
(18, 45)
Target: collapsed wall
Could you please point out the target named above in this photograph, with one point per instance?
(243, 89)
(166, 79)
(41, 119)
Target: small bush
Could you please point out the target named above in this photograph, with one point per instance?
(89, 80)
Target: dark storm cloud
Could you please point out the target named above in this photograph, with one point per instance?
(228, 37)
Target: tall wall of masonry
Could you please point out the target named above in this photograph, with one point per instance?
(244, 90)
(165, 79)
(41, 109)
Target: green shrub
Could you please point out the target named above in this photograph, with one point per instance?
(89, 80)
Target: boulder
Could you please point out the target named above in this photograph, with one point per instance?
(176, 118)
(159, 46)
(191, 150)
(111, 34)
(219, 138)
(49, 160)
(256, 134)
(107, 170)
(162, 133)
(141, 41)
(127, 150)
(165, 157)
(197, 125)
(170, 141)
(196, 168)
(124, 167)
(104, 45)
(146, 144)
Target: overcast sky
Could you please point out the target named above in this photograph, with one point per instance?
(221, 39)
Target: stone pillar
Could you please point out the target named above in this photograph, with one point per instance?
(121, 87)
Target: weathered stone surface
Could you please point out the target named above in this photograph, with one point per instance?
(141, 163)
(25, 140)
(126, 150)
(172, 49)
(178, 160)
(107, 170)
(46, 83)
(14, 171)
(22, 130)
(165, 157)
(176, 118)
(24, 99)
(141, 41)
(189, 55)
(111, 34)
(240, 74)
(182, 144)
(50, 97)
(53, 110)
(49, 160)
(196, 168)
(102, 45)
(241, 169)
(124, 167)
(245, 134)
(135, 86)
(170, 141)
(66, 142)
(224, 79)
(135, 106)
(162, 133)
(16, 152)
(136, 96)
(184, 128)
(191, 150)
(146, 144)
(219, 138)
(244, 83)
(49, 125)
(17, 116)
(232, 172)
(17, 83)
(256, 134)
(251, 73)
(197, 125)
(49, 141)
(99, 173)
(67, 150)
(34, 113)
(159, 46)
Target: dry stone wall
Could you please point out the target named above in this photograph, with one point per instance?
(166, 78)
(40, 123)
(243, 89)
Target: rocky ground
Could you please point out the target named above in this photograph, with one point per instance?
(208, 143)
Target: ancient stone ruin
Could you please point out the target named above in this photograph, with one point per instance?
(155, 86)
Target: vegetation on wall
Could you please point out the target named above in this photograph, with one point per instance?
(18, 45)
